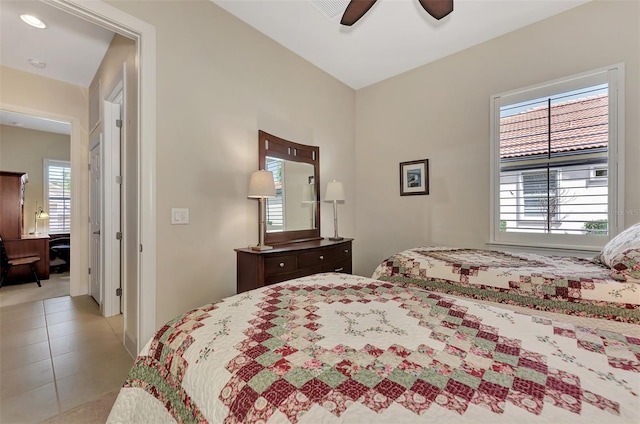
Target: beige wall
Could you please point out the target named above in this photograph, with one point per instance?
(441, 111)
(24, 150)
(31, 94)
(218, 82)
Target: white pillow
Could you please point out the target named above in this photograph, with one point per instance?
(622, 254)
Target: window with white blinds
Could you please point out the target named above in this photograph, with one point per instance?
(57, 192)
(275, 206)
(555, 169)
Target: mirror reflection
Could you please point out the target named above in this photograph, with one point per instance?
(294, 207)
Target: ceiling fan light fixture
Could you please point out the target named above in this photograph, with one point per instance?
(33, 21)
(358, 8)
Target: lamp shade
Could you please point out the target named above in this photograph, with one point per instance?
(42, 215)
(261, 185)
(334, 191)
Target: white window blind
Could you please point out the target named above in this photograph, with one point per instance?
(275, 208)
(57, 186)
(555, 170)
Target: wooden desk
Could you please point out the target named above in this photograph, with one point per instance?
(28, 245)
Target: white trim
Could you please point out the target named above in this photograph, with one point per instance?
(145, 36)
(616, 154)
(614, 76)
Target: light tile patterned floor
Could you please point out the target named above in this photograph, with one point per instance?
(56, 354)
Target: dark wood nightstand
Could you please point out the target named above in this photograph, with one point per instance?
(286, 261)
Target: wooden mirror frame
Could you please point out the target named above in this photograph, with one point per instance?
(272, 146)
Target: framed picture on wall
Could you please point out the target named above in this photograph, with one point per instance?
(414, 177)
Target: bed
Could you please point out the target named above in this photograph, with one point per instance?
(344, 348)
(606, 286)
(568, 285)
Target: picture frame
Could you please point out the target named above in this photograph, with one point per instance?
(414, 177)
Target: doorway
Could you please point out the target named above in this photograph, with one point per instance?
(39, 148)
(139, 220)
(140, 217)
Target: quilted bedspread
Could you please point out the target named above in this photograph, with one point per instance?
(568, 285)
(342, 348)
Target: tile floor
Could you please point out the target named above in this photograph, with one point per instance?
(56, 354)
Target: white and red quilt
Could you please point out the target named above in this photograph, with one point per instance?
(570, 285)
(342, 348)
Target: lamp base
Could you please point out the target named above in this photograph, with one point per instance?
(336, 238)
(260, 248)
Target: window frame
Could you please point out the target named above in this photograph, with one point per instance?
(45, 190)
(614, 76)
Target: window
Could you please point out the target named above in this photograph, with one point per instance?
(57, 192)
(540, 194)
(554, 162)
(275, 208)
(599, 174)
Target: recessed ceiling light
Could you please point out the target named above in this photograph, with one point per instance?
(37, 63)
(33, 21)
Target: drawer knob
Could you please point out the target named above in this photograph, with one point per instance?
(321, 257)
(346, 250)
(281, 264)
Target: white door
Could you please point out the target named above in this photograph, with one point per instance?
(111, 201)
(95, 217)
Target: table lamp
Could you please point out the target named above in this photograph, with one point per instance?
(261, 187)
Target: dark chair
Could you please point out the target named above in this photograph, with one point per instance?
(59, 254)
(7, 263)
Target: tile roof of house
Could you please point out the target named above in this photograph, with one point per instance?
(576, 125)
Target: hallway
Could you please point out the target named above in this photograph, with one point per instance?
(56, 354)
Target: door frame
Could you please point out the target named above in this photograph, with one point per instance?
(145, 36)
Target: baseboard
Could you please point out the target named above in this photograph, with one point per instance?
(130, 344)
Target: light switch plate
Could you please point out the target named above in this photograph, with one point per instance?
(179, 216)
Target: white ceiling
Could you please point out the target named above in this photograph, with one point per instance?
(71, 47)
(394, 36)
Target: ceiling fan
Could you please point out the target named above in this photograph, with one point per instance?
(357, 8)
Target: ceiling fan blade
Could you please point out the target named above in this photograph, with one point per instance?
(437, 8)
(356, 10)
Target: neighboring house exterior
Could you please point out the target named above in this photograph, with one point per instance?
(553, 167)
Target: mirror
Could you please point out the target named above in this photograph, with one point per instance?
(294, 215)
